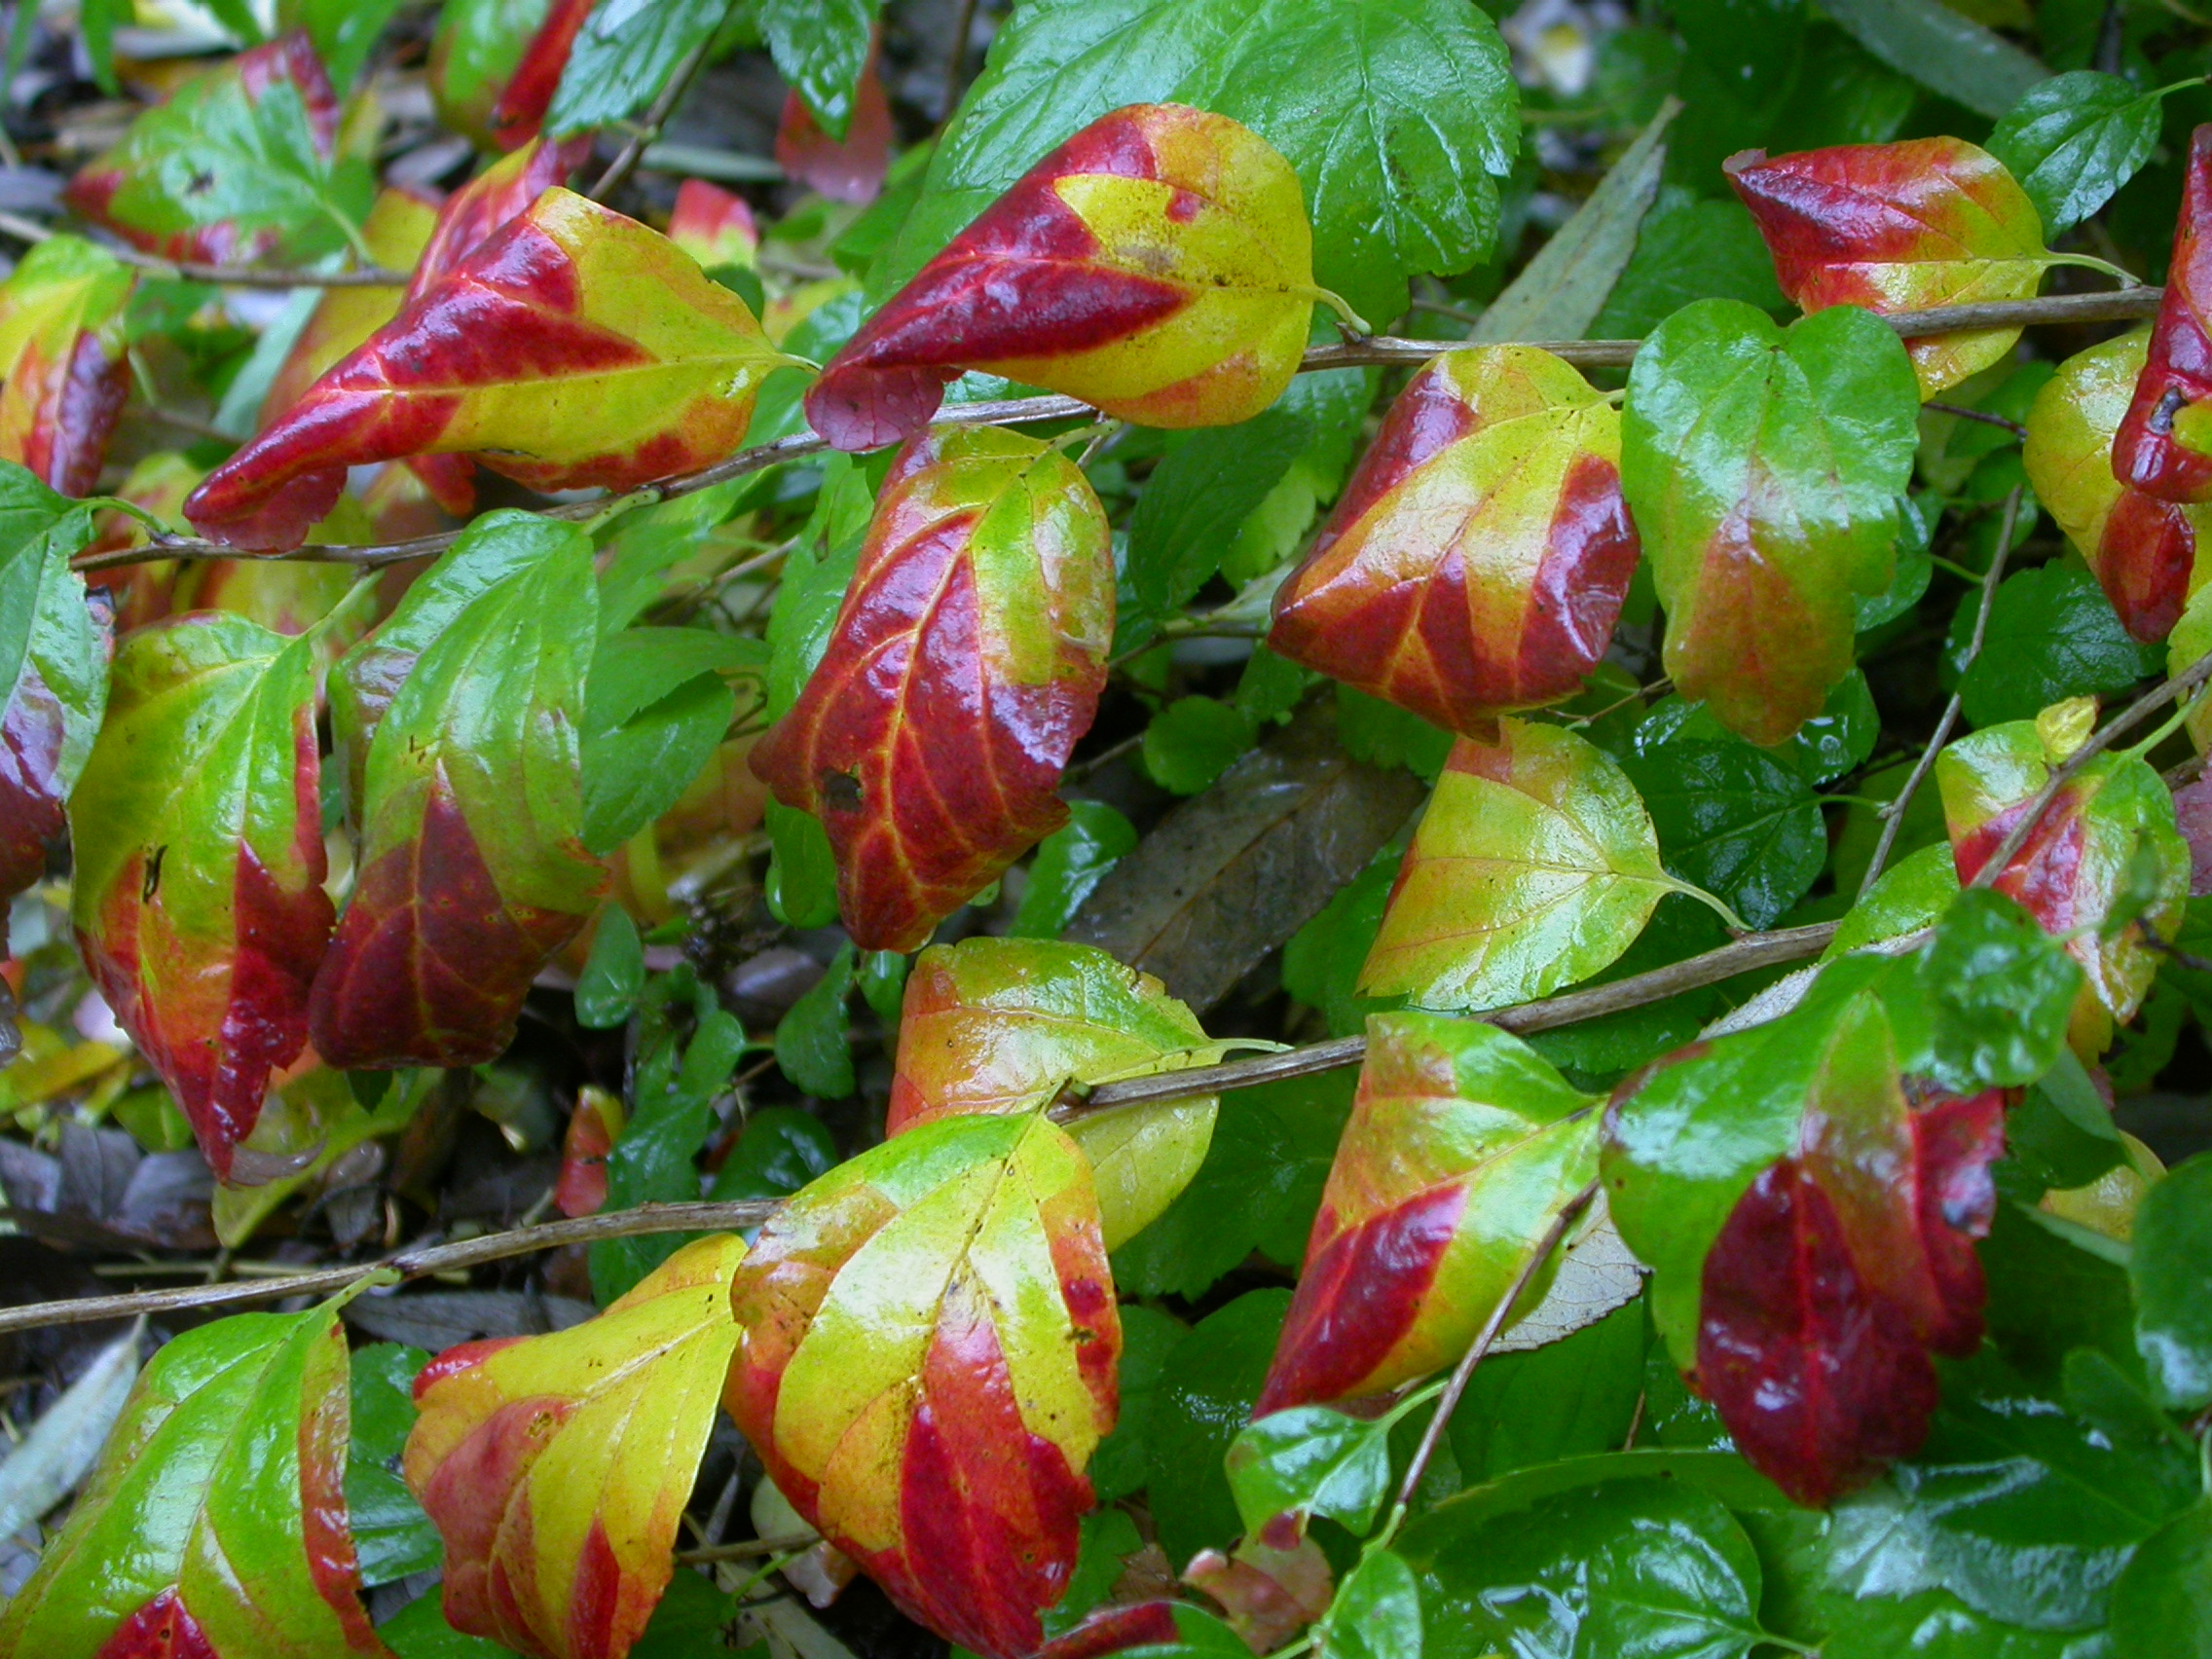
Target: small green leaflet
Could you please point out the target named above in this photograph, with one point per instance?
(2074, 139)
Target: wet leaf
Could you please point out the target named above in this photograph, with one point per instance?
(557, 1467)
(2158, 1605)
(1478, 558)
(2165, 443)
(574, 347)
(2052, 636)
(1376, 1612)
(396, 231)
(391, 1534)
(214, 1525)
(1070, 863)
(62, 353)
(928, 1361)
(486, 204)
(198, 900)
(1942, 49)
(1206, 1395)
(608, 60)
(836, 80)
(1574, 1396)
(1305, 1460)
(964, 665)
(613, 975)
(2073, 140)
(1740, 822)
(2170, 1267)
(474, 52)
(1763, 468)
(1534, 865)
(811, 1039)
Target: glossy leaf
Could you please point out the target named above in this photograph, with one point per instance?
(461, 897)
(1149, 1630)
(474, 52)
(812, 1046)
(557, 1467)
(2159, 1604)
(1534, 865)
(528, 96)
(1070, 863)
(573, 347)
(248, 162)
(1900, 227)
(391, 1534)
(1206, 1393)
(2165, 443)
(928, 1361)
(2073, 140)
(847, 162)
(396, 231)
(61, 355)
(1002, 1025)
(2052, 636)
(2143, 549)
(609, 60)
(1463, 1145)
(215, 1525)
(1477, 560)
(1309, 1461)
(2168, 1264)
(1739, 822)
(198, 900)
(1763, 468)
(486, 204)
(1159, 265)
(966, 661)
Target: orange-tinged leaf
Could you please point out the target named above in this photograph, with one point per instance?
(557, 1467)
(61, 355)
(396, 230)
(574, 347)
(1159, 264)
(1901, 227)
(966, 662)
(1477, 561)
(713, 226)
(2165, 443)
(928, 1361)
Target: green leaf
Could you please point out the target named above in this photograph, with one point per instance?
(820, 47)
(343, 32)
(1943, 50)
(2053, 635)
(1383, 734)
(2074, 139)
(2000, 990)
(811, 1046)
(1310, 1460)
(1689, 248)
(657, 710)
(613, 975)
(1741, 42)
(419, 1631)
(1565, 1399)
(1375, 1614)
(1206, 1393)
(1070, 862)
(1109, 1536)
(781, 1151)
(52, 666)
(1398, 115)
(802, 870)
(1908, 896)
(392, 1535)
(1824, 748)
(2160, 1605)
(624, 53)
(1123, 1462)
(2171, 1267)
(1193, 741)
(1735, 821)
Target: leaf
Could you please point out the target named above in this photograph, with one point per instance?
(1943, 50)
(811, 1046)
(1149, 1630)
(557, 1467)
(1737, 821)
(45, 1464)
(53, 671)
(851, 169)
(1070, 863)
(623, 52)
(474, 50)
(62, 354)
(1574, 1396)
(2165, 443)
(659, 712)
(486, 203)
(395, 230)
(1122, 1463)
(821, 49)
(2143, 550)
(215, 1522)
(967, 660)
(2074, 139)
(1193, 741)
(2052, 636)
(1461, 1148)
(1900, 227)
(2173, 1319)
(343, 34)
(1159, 265)
(928, 1361)
(461, 899)
(197, 899)
(1763, 469)
(244, 163)
(613, 975)
(1309, 1461)
(1376, 1612)
(1836, 741)
(1398, 116)
(638, 366)
(1206, 1393)
(1000, 1026)
(1478, 558)
(2001, 990)
(781, 1151)
(520, 112)
(392, 1535)
(1688, 248)
(2157, 1605)
(714, 227)
(1534, 865)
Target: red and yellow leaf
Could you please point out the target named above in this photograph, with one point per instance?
(1002, 1025)
(2163, 446)
(966, 662)
(529, 93)
(1900, 227)
(61, 355)
(1159, 265)
(574, 347)
(928, 1361)
(198, 898)
(214, 1525)
(557, 1467)
(474, 56)
(396, 232)
(486, 203)
(2142, 548)
(714, 227)
(1463, 1145)
(1477, 561)
(850, 169)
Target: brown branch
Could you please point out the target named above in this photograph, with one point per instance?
(655, 118)
(229, 275)
(2117, 306)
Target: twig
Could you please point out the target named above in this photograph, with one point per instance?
(2119, 305)
(1961, 412)
(229, 275)
(656, 116)
(746, 1547)
(1893, 816)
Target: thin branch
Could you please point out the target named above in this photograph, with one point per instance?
(2118, 305)
(656, 117)
(1960, 412)
(1894, 813)
(229, 275)
(746, 1548)
(955, 65)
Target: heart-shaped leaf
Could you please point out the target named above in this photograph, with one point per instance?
(2142, 548)
(1463, 1145)
(197, 899)
(1477, 561)
(2165, 443)
(472, 872)
(557, 1467)
(214, 1526)
(573, 347)
(928, 1360)
(1002, 1025)
(1764, 467)
(1534, 865)
(61, 355)
(1159, 265)
(1900, 227)
(966, 661)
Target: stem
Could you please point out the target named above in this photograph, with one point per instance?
(1711, 901)
(231, 275)
(678, 83)
(2090, 261)
(2172, 723)
(747, 1548)
(1353, 323)
(1960, 412)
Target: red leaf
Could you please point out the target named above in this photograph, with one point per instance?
(529, 91)
(2192, 816)
(161, 1629)
(482, 207)
(1109, 1630)
(592, 1129)
(847, 170)
(2147, 451)
(714, 226)
(31, 792)
(2143, 559)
